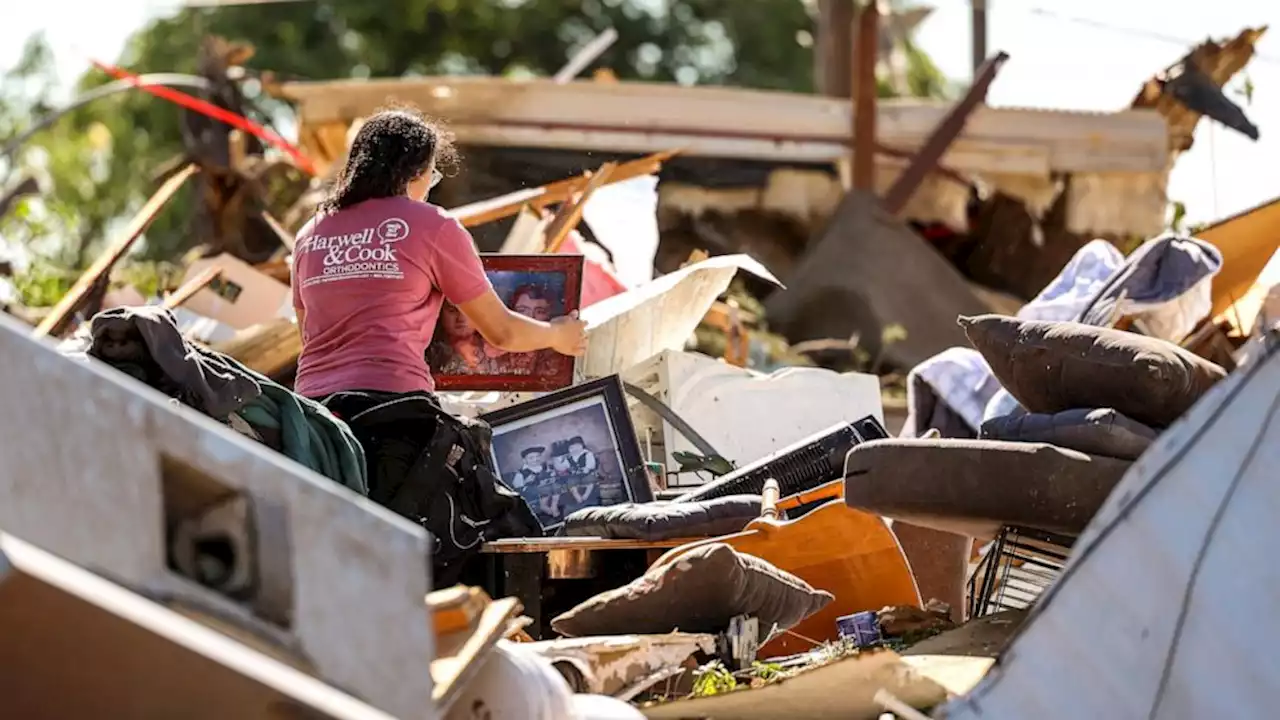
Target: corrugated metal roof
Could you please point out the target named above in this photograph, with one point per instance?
(1167, 608)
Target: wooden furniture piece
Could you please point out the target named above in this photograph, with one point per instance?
(551, 575)
(849, 553)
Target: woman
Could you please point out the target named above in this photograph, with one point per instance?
(372, 270)
(370, 273)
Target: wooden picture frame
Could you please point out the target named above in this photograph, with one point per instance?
(541, 447)
(462, 360)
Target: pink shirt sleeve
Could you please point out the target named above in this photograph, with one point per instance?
(456, 264)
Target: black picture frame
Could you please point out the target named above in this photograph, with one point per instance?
(594, 413)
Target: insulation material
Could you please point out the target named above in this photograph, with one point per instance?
(938, 199)
(694, 201)
(617, 664)
(1037, 192)
(1121, 204)
(807, 195)
(811, 196)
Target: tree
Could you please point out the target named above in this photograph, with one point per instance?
(104, 157)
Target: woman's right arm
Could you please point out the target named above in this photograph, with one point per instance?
(460, 274)
(513, 332)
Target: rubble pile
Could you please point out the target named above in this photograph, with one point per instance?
(832, 488)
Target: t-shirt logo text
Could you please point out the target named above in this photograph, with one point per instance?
(361, 255)
(393, 230)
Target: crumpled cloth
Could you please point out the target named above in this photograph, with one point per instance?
(1164, 283)
(145, 343)
(957, 386)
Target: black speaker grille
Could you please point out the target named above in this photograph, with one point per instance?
(802, 466)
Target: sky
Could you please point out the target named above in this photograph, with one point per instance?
(1080, 55)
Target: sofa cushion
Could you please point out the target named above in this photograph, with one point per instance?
(1097, 432)
(972, 487)
(665, 520)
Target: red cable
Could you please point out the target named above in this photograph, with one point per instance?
(207, 108)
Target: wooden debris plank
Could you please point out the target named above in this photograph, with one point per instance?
(191, 287)
(635, 117)
(456, 608)
(570, 213)
(267, 348)
(459, 656)
(479, 213)
(54, 322)
(539, 545)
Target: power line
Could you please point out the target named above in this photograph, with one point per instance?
(1130, 31)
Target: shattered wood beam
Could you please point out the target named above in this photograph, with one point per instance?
(57, 319)
(286, 239)
(268, 348)
(864, 96)
(479, 213)
(833, 48)
(570, 213)
(943, 135)
(1220, 61)
(180, 296)
(586, 55)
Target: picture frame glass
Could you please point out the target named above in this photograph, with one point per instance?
(542, 287)
(563, 459)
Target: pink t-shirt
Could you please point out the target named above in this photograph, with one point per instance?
(370, 280)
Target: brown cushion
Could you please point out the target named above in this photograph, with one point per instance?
(1049, 367)
(972, 487)
(700, 591)
(1097, 432)
(655, 521)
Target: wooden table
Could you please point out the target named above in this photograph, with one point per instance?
(551, 575)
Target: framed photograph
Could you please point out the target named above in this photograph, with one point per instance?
(539, 286)
(571, 449)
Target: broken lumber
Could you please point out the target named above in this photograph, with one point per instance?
(479, 213)
(942, 136)
(56, 321)
(570, 213)
(268, 348)
(191, 287)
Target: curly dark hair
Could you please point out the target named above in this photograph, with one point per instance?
(394, 146)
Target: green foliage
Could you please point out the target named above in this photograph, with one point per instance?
(42, 283)
(95, 164)
(713, 679)
(1177, 215)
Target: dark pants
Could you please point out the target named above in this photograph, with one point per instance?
(390, 449)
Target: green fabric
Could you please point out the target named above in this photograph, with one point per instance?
(309, 433)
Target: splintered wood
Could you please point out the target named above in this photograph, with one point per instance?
(191, 287)
(56, 320)
(479, 213)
